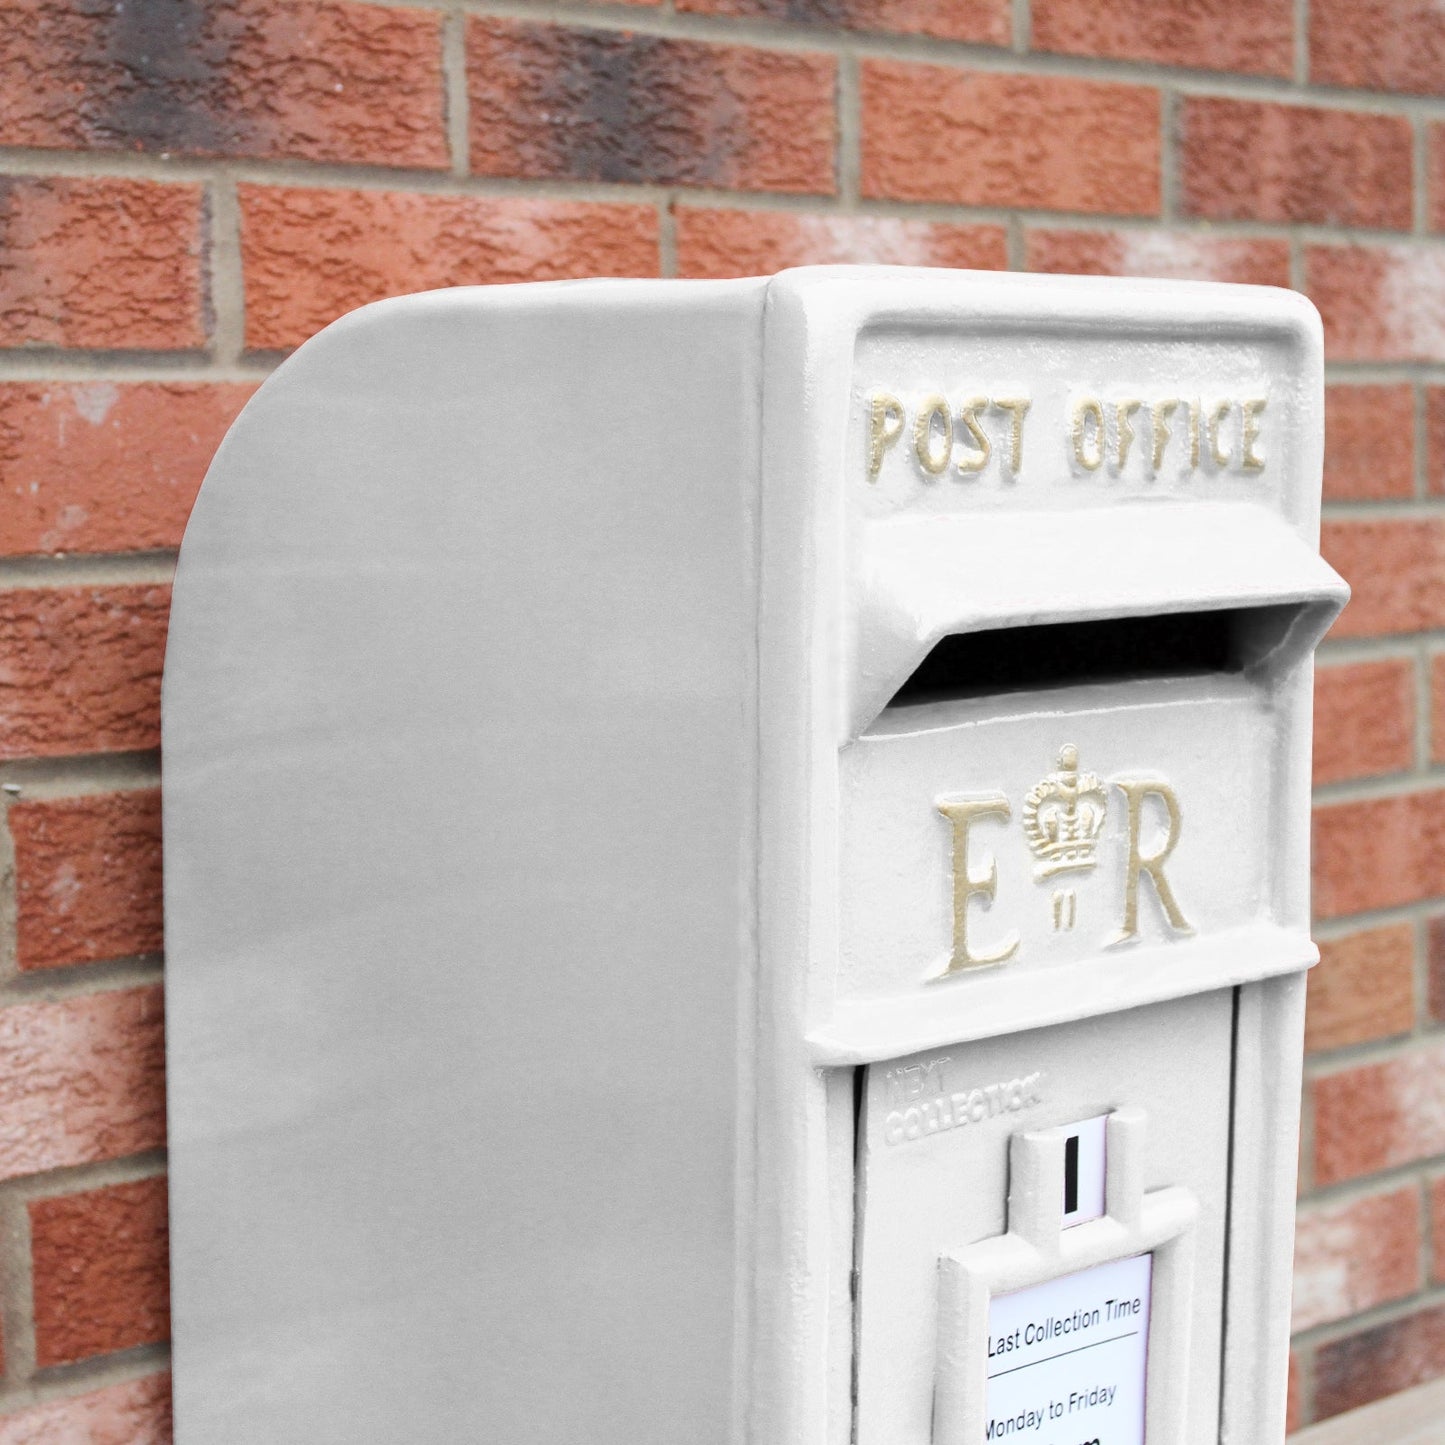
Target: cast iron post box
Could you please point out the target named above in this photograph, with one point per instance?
(736, 868)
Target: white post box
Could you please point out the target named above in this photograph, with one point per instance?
(737, 869)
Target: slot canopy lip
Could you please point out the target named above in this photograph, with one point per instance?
(921, 579)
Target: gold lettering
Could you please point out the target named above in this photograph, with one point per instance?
(1194, 436)
(933, 461)
(1087, 411)
(1140, 863)
(1016, 407)
(969, 417)
(885, 426)
(962, 813)
(1216, 420)
(1249, 434)
(1122, 412)
(1159, 415)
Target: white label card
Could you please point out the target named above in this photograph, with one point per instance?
(1066, 1358)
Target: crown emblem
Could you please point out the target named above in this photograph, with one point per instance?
(1063, 815)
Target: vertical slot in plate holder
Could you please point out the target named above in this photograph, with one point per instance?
(1038, 1249)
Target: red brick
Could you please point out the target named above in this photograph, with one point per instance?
(1435, 437)
(81, 1080)
(1378, 852)
(1379, 303)
(1435, 967)
(1248, 160)
(381, 243)
(1395, 568)
(1378, 1362)
(1378, 44)
(100, 262)
(100, 1271)
(1294, 1407)
(1352, 1256)
(1362, 988)
(1255, 37)
(757, 243)
(101, 466)
(87, 877)
(986, 22)
(1364, 719)
(1179, 255)
(1379, 1115)
(1437, 708)
(1369, 442)
(137, 1412)
(986, 139)
(322, 81)
(554, 103)
(80, 669)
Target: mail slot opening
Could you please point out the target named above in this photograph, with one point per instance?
(1111, 649)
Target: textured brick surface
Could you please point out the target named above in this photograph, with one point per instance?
(312, 255)
(1394, 568)
(100, 262)
(1362, 988)
(1354, 1255)
(1381, 1361)
(1369, 442)
(103, 466)
(80, 669)
(1435, 438)
(756, 243)
(1437, 1226)
(1437, 708)
(81, 1080)
(1183, 255)
(1379, 852)
(1247, 160)
(100, 1270)
(1255, 37)
(1435, 970)
(135, 1413)
(986, 22)
(1378, 44)
(1381, 1115)
(550, 102)
(1379, 303)
(87, 877)
(1364, 718)
(327, 82)
(990, 139)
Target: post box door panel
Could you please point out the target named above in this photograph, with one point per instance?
(934, 1151)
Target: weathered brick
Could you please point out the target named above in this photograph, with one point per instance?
(1378, 44)
(986, 22)
(1255, 37)
(1435, 972)
(1435, 437)
(1394, 567)
(87, 877)
(311, 255)
(1369, 442)
(1364, 719)
(1381, 1115)
(552, 102)
(1379, 303)
(1355, 1255)
(100, 262)
(101, 466)
(1378, 852)
(1362, 988)
(1181, 255)
(80, 669)
(322, 80)
(1437, 1227)
(988, 139)
(137, 1412)
(1437, 708)
(756, 243)
(101, 1278)
(81, 1080)
(1257, 161)
(1377, 1362)
(1294, 1407)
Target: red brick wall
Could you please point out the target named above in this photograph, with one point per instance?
(189, 188)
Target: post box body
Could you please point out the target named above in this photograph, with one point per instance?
(737, 869)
